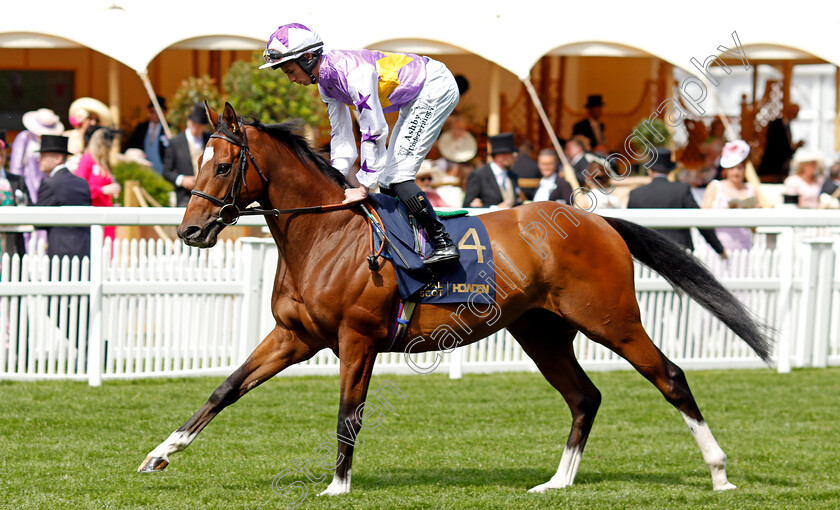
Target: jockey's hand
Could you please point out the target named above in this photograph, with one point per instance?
(353, 195)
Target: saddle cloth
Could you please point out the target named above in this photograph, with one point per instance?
(472, 274)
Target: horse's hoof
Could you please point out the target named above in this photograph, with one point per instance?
(153, 465)
(333, 492)
(547, 486)
(726, 487)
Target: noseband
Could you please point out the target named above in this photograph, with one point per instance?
(230, 212)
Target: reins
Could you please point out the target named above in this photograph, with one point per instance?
(229, 213)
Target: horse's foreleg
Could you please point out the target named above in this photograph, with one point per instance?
(280, 349)
(554, 355)
(356, 369)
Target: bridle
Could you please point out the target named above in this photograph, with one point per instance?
(229, 213)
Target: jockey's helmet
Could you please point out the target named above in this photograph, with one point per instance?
(296, 42)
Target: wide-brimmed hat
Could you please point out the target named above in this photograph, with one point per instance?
(81, 108)
(54, 143)
(663, 163)
(134, 156)
(594, 100)
(806, 156)
(199, 114)
(428, 168)
(43, 121)
(457, 150)
(439, 177)
(502, 144)
(733, 153)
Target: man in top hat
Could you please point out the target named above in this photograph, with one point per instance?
(12, 192)
(61, 187)
(591, 127)
(661, 193)
(495, 183)
(180, 164)
(149, 136)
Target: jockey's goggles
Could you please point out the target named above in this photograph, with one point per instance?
(272, 56)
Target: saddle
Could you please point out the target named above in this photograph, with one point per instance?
(405, 244)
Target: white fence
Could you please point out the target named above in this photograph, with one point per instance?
(163, 309)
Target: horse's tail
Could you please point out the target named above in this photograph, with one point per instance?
(684, 272)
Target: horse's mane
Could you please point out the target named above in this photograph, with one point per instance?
(289, 134)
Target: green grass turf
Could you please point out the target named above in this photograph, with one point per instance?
(479, 442)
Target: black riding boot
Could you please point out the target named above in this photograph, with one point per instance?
(445, 249)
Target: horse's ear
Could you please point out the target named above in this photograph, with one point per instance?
(213, 116)
(230, 119)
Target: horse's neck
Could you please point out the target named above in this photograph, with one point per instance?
(304, 237)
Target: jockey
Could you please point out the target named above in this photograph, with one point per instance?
(375, 83)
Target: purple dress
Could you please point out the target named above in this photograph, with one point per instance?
(24, 161)
(732, 238)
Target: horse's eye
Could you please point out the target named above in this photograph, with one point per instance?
(222, 168)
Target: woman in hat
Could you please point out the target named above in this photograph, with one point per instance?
(732, 192)
(807, 182)
(95, 168)
(426, 178)
(24, 158)
(374, 83)
(84, 113)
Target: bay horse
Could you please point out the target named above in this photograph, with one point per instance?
(559, 271)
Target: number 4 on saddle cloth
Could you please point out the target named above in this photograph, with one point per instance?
(473, 273)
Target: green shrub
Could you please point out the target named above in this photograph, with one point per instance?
(192, 90)
(154, 183)
(269, 96)
(655, 131)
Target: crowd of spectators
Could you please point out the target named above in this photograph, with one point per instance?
(457, 175)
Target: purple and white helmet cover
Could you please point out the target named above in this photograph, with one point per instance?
(291, 40)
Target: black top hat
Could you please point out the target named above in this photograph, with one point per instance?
(161, 101)
(199, 114)
(663, 163)
(463, 84)
(594, 100)
(502, 144)
(54, 143)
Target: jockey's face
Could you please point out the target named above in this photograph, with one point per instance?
(295, 73)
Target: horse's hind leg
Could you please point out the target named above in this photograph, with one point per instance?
(547, 339)
(630, 341)
(277, 351)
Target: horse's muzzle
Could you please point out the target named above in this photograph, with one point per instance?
(194, 235)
